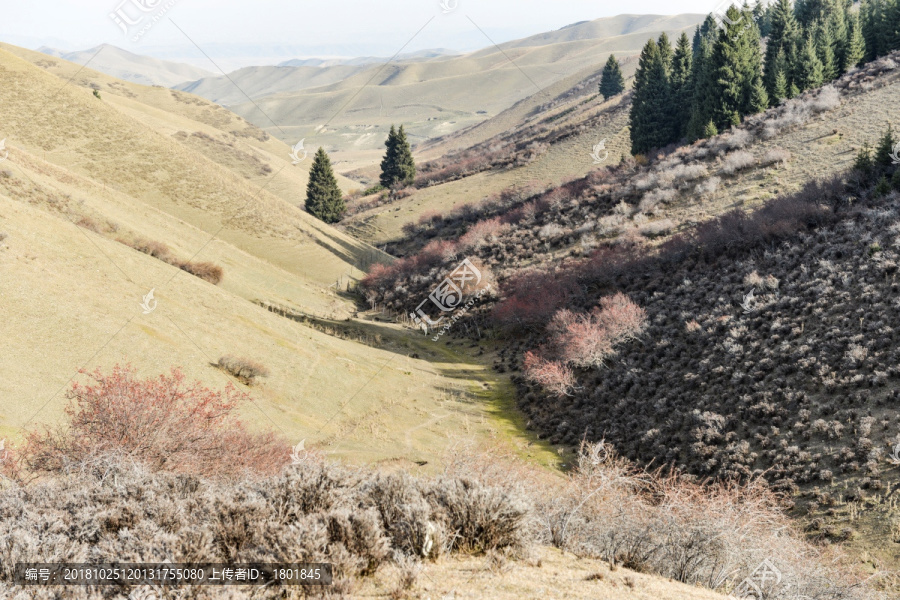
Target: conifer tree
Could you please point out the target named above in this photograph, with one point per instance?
(836, 19)
(808, 68)
(736, 63)
(886, 148)
(825, 50)
(780, 92)
(682, 86)
(856, 45)
(323, 196)
(704, 90)
(665, 50)
(783, 38)
(612, 83)
(650, 110)
(759, 99)
(398, 165)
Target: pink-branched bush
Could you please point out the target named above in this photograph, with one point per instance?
(553, 376)
(587, 340)
(165, 423)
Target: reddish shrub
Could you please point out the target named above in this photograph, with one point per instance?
(553, 376)
(481, 231)
(587, 340)
(163, 422)
(533, 297)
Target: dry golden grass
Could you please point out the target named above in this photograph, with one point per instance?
(75, 293)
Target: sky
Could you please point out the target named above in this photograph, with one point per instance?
(268, 29)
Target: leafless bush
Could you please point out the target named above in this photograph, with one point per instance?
(653, 199)
(656, 228)
(708, 188)
(551, 230)
(244, 369)
(828, 99)
(775, 155)
(737, 161)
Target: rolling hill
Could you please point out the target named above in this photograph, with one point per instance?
(432, 98)
(128, 66)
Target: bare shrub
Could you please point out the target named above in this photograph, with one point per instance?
(738, 139)
(653, 199)
(164, 423)
(206, 271)
(551, 230)
(688, 172)
(551, 375)
(151, 247)
(656, 228)
(827, 99)
(244, 369)
(712, 535)
(586, 341)
(708, 188)
(482, 232)
(775, 155)
(737, 161)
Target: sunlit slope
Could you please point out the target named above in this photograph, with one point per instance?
(67, 125)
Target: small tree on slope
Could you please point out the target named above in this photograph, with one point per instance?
(612, 83)
(323, 196)
(398, 165)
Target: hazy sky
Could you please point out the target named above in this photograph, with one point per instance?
(321, 27)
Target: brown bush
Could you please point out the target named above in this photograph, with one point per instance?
(244, 369)
(206, 271)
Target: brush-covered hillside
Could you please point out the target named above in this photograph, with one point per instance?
(756, 269)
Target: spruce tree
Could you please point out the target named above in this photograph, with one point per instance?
(681, 86)
(704, 90)
(759, 99)
(665, 50)
(651, 107)
(783, 38)
(612, 83)
(825, 50)
(886, 148)
(398, 166)
(323, 196)
(736, 64)
(808, 68)
(856, 45)
(780, 92)
(838, 28)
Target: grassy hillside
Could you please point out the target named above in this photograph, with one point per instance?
(131, 67)
(88, 180)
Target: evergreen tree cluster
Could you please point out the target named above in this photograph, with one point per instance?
(880, 27)
(398, 166)
(702, 87)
